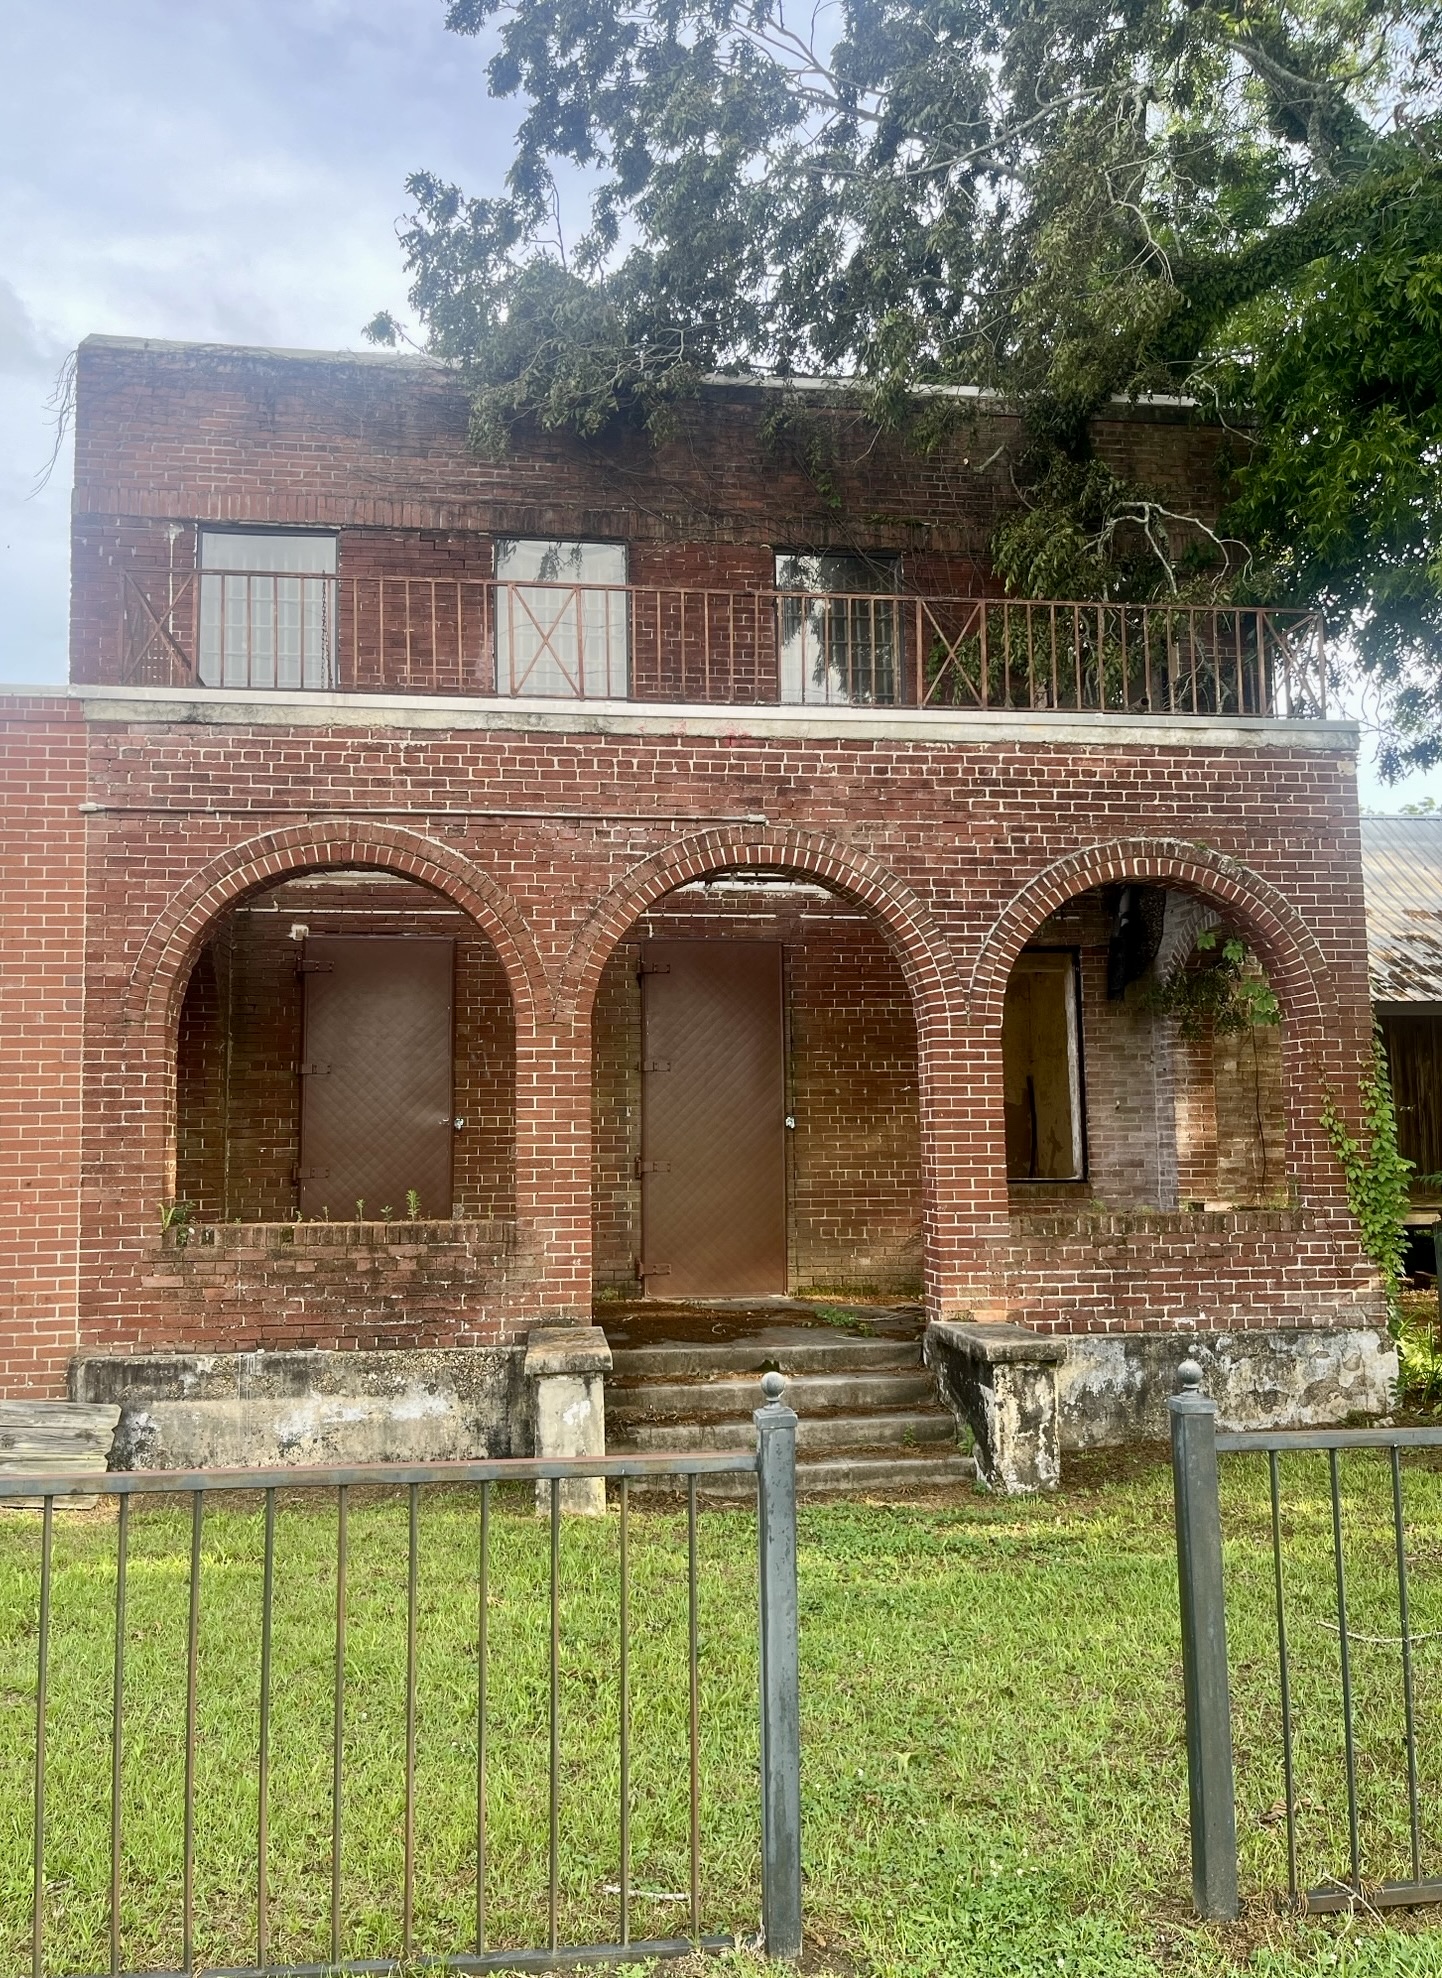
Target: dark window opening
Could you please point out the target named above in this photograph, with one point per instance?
(1041, 1057)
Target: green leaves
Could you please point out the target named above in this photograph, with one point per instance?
(1377, 1174)
(1232, 199)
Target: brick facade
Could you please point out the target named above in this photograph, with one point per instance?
(166, 838)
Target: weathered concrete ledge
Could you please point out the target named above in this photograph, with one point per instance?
(1113, 1387)
(183, 1411)
(566, 1367)
(54, 1438)
(1002, 1382)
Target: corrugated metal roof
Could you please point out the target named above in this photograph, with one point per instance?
(1402, 869)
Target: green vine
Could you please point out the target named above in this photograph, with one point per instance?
(1376, 1175)
(1226, 996)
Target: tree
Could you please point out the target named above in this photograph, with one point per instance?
(1058, 199)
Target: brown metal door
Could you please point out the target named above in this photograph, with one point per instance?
(375, 1109)
(713, 1150)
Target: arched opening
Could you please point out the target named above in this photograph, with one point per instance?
(345, 1052)
(756, 1109)
(1142, 1058)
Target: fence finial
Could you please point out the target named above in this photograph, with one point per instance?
(1191, 1375)
(773, 1386)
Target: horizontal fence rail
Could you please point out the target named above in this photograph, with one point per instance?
(1307, 1465)
(486, 637)
(377, 1506)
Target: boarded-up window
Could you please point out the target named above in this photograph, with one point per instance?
(1041, 1056)
(561, 618)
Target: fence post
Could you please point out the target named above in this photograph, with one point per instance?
(1210, 1786)
(780, 1674)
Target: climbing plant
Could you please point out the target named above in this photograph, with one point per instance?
(1376, 1174)
(1226, 996)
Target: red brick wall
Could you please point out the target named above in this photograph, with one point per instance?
(376, 448)
(959, 851)
(854, 1184)
(248, 1287)
(42, 944)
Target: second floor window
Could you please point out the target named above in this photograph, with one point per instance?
(840, 629)
(267, 609)
(562, 626)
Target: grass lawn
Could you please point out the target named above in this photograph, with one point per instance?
(994, 1782)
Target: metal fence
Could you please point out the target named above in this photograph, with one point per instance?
(773, 1464)
(488, 637)
(1208, 1669)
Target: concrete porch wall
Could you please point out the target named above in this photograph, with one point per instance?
(190, 1411)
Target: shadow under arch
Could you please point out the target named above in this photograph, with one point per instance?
(925, 956)
(1296, 967)
(176, 936)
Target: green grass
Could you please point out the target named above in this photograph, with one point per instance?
(994, 1777)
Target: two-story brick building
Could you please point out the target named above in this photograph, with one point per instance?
(456, 895)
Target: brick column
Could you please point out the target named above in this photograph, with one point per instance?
(42, 847)
(553, 1164)
(963, 1143)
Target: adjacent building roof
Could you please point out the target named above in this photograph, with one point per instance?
(1402, 870)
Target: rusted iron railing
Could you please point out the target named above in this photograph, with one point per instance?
(1208, 1671)
(773, 1464)
(482, 637)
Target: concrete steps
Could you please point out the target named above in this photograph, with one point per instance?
(870, 1419)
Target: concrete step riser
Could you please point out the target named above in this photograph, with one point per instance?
(836, 1432)
(659, 1401)
(841, 1355)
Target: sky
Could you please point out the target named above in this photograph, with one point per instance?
(229, 174)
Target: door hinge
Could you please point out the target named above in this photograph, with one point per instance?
(655, 1064)
(654, 968)
(653, 1167)
(313, 1069)
(309, 1174)
(655, 1270)
(305, 967)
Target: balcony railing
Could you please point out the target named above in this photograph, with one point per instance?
(490, 638)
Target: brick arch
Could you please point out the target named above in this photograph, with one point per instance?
(921, 948)
(1296, 967)
(162, 968)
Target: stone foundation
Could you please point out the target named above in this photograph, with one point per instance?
(191, 1411)
(1113, 1387)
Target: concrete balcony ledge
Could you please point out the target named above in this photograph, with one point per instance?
(274, 708)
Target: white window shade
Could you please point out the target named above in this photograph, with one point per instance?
(267, 609)
(562, 622)
(840, 629)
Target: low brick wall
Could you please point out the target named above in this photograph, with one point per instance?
(339, 1286)
(1093, 1271)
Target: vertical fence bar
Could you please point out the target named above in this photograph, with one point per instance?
(1210, 1786)
(1344, 1650)
(42, 1688)
(262, 1820)
(337, 1751)
(694, 1702)
(192, 1676)
(554, 1837)
(408, 1903)
(780, 1673)
(1404, 1613)
(483, 1602)
(1284, 1676)
(625, 1707)
(117, 1728)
